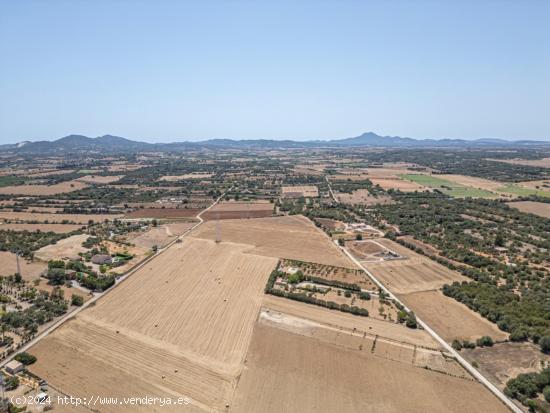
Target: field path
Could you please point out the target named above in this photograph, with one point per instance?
(97, 296)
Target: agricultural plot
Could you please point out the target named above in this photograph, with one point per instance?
(57, 228)
(164, 213)
(99, 179)
(363, 197)
(504, 361)
(538, 208)
(524, 191)
(305, 191)
(184, 329)
(303, 368)
(66, 248)
(449, 318)
(55, 218)
(196, 175)
(371, 251)
(30, 270)
(38, 190)
(541, 163)
(396, 183)
(451, 188)
(159, 236)
(413, 273)
(236, 210)
(293, 237)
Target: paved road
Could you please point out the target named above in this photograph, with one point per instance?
(97, 296)
(473, 371)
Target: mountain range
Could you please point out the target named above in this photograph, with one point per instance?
(116, 144)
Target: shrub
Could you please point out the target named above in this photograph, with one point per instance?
(25, 358)
(77, 300)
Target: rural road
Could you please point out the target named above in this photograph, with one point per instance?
(473, 371)
(97, 296)
(330, 189)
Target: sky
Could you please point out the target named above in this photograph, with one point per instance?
(163, 71)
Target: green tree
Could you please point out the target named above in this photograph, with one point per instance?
(77, 300)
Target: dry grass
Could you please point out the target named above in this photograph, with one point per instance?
(184, 329)
(37, 190)
(542, 163)
(65, 248)
(160, 235)
(363, 197)
(58, 228)
(29, 270)
(449, 318)
(538, 208)
(293, 237)
(164, 213)
(292, 373)
(472, 181)
(197, 175)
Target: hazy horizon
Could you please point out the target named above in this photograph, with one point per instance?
(166, 71)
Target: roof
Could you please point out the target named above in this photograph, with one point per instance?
(14, 364)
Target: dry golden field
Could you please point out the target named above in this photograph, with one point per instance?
(184, 328)
(197, 175)
(401, 184)
(414, 273)
(363, 197)
(543, 163)
(99, 179)
(287, 372)
(293, 237)
(303, 191)
(55, 218)
(36, 190)
(29, 270)
(538, 208)
(449, 318)
(472, 181)
(58, 228)
(161, 235)
(65, 248)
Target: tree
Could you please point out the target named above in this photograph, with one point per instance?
(544, 344)
(411, 321)
(546, 393)
(77, 300)
(12, 383)
(457, 345)
(485, 341)
(25, 358)
(359, 237)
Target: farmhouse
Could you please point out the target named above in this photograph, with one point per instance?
(101, 259)
(14, 367)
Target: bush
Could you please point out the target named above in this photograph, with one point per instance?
(546, 393)
(544, 344)
(411, 321)
(77, 300)
(363, 295)
(457, 345)
(12, 383)
(25, 358)
(485, 341)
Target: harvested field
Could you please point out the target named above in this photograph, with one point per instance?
(303, 368)
(347, 322)
(449, 187)
(65, 248)
(449, 318)
(472, 181)
(58, 228)
(538, 208)
(214, 215)
(243, 206)
(369, 250)
(164, 213)
(98, 179)
(541, 163)
(293, 237)
(160, 235)
(306, 191)
(415, 273)
(55, 218)
(37, 190)
(402, 185)
(331, 224)
(184, 329)
(504, 361)
(29, 270)
(542, 184)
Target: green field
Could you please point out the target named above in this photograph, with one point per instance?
(522, 191)
(9, 180)
(450, 188)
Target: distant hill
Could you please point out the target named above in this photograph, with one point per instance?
(117, 144)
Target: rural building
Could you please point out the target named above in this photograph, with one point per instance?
(101, 259)
(14, 367)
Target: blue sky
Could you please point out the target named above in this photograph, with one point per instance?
(173, 70)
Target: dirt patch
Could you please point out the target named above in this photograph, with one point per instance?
(65, 248)
(30, 270)
(449, 318)
(504, 361)
(537, 208)
(293, 237)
